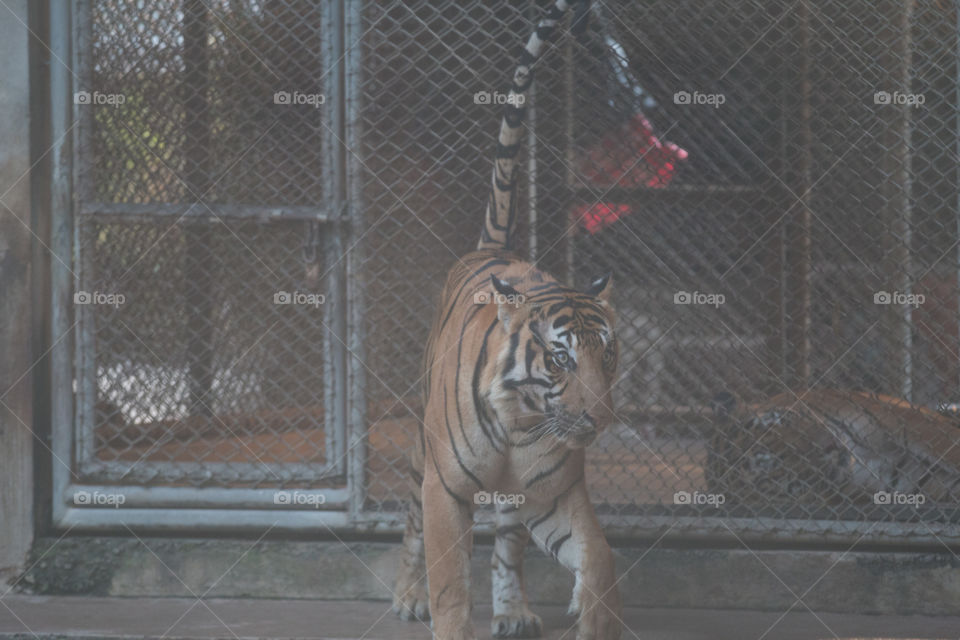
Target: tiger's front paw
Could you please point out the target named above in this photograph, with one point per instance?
(600, 618)
(521, 623)
(411, 601)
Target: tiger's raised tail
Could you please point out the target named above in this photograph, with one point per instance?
(500, 220)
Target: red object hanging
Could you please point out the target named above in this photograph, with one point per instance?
(630, 156)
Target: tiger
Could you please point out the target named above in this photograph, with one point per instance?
(518, 371)
(828, 447)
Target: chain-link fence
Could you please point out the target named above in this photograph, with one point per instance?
(773, 185)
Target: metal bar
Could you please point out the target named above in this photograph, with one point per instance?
(61, 197)
(335, 313)
(199, 240)
(799, 238)
(200, 212)
(183, 520)
(356, 293)
(703, 530)
(144, 472)
(85, 371)
(903, 226)
(203, 498)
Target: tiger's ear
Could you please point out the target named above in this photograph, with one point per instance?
(601, 286)
(508, 300)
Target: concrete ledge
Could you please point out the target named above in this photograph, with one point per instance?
(855, 582)
(76, 618)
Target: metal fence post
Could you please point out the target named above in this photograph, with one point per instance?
(356, 290)
(61, 245)
(897, 215)
(16, 320)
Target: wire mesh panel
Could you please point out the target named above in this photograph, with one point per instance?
(774, 187)
(208, 276)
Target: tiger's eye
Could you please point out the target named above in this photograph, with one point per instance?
(609, 354)
(561, 358)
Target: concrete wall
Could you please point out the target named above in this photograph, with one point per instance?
(16, 415)
(769, 580)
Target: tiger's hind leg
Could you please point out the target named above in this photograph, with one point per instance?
(512, 617)
(410, 596)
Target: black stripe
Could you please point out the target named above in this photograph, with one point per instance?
(554, 13)
(456, 379)
(453, 303)
(460, 501)
(512, 352)
(416, 476)
(531, 354)
(514, 384)
(546, 516)
(440, 595)
(503, 563)
(510, 529)
(545, 33)
(548, 472)
(513, 115)
(555, 548)
(453, 443)
(508, 150)
(475, 384)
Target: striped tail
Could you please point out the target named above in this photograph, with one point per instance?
(500, 220)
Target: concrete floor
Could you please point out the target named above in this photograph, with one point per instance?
(49, 617)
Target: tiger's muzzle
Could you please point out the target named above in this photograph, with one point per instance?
(576, 430)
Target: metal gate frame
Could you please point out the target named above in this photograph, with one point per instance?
(73, 378)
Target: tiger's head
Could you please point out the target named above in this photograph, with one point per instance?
(558, 360)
